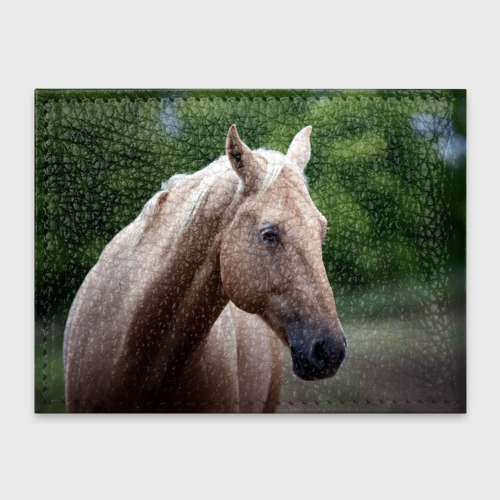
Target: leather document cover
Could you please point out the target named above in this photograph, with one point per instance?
(250, 251)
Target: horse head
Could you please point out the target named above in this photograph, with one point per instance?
(271, 259)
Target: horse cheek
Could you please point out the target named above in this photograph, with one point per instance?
(240, 278)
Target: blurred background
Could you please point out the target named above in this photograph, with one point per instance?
(387, 170)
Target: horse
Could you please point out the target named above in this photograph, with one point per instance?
(187, 308)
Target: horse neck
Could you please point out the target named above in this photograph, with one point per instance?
(183, 294)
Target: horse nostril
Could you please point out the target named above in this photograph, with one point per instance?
(319, 358)
(320, 354)
(325, 357)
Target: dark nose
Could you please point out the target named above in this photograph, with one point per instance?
(326, 356)
(319, 359)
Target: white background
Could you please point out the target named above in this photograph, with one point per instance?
(99, 44)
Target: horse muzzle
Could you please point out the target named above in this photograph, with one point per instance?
(318, 357)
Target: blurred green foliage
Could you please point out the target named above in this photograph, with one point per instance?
(387, 170)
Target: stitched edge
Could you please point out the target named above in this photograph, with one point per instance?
(287, 402)
(41, 125)
(55, 100)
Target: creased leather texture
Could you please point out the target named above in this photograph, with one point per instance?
(387, 170)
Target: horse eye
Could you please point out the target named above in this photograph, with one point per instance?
(270, 235)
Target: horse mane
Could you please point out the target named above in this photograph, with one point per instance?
(208, 177)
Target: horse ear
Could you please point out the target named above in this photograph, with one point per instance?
(299, 151)
(243, 161)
